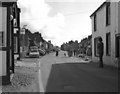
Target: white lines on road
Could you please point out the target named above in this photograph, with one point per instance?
(40, 82)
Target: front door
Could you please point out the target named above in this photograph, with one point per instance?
(118, 46)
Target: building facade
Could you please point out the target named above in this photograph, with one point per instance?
(9, 31)
(106, 24)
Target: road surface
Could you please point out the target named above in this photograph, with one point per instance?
(64, 74)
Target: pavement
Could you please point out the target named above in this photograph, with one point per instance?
(61, 74)
(25, 78)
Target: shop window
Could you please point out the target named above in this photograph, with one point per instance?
(3, 20)
(15, 45)
(95, 46)
(2, 39)
(108, 44)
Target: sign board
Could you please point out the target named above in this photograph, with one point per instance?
(22, 31)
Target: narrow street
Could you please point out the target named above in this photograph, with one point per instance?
(64, 74)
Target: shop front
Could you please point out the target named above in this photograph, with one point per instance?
(8, 12)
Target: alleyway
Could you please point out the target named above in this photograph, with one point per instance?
(64, 74)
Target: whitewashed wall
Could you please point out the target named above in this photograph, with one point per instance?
(102, 30)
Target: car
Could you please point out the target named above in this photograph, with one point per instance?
(81, 55)
(34, 53)
(41, 52)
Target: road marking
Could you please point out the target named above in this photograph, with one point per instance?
(40, 80)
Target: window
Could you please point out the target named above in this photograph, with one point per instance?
(95, 46)
(95, 23)
(1, 39)
(118, 46)
(15, 45)
(108, 44)
(107, 13)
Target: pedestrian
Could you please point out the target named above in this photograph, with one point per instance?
(100, 52)
(56, 52)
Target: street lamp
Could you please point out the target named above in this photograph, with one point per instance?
(23, 33)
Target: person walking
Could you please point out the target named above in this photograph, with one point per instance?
(100, 52)
(57, 52)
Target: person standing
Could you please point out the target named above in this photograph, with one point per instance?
(57, 53)
(100, 52)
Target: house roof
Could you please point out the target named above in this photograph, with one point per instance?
(98, 8)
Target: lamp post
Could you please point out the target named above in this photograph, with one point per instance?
(23, 33)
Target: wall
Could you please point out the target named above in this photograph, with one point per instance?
(102, 29)
(3, 14)
(101, 18)
(2, 63)
(118, 17)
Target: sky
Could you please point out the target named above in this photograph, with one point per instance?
(59, 20)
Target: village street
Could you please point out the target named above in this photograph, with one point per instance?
(61, 74)
(71, 74)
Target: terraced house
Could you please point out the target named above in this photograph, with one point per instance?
(106, 23)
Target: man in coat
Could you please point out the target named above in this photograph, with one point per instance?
(100, 52)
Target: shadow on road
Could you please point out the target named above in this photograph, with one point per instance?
(80, 77)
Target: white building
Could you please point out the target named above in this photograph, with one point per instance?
(106, 23)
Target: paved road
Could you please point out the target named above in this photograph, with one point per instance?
(64, 74)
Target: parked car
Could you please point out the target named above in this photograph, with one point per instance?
(81, 55)
(34, 52)
(41, 52)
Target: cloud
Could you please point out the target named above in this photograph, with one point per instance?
(34, 13)
(58, 20)
(36, 16)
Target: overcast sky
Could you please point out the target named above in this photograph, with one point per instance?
(59, 20)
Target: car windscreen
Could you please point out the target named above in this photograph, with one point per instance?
(34, 51)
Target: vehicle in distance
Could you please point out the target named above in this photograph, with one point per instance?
(41, 52)
(34, 52)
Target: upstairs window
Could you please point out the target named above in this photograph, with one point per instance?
(108, 44)
(107, 13)
(95, 23)
(96, 46)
